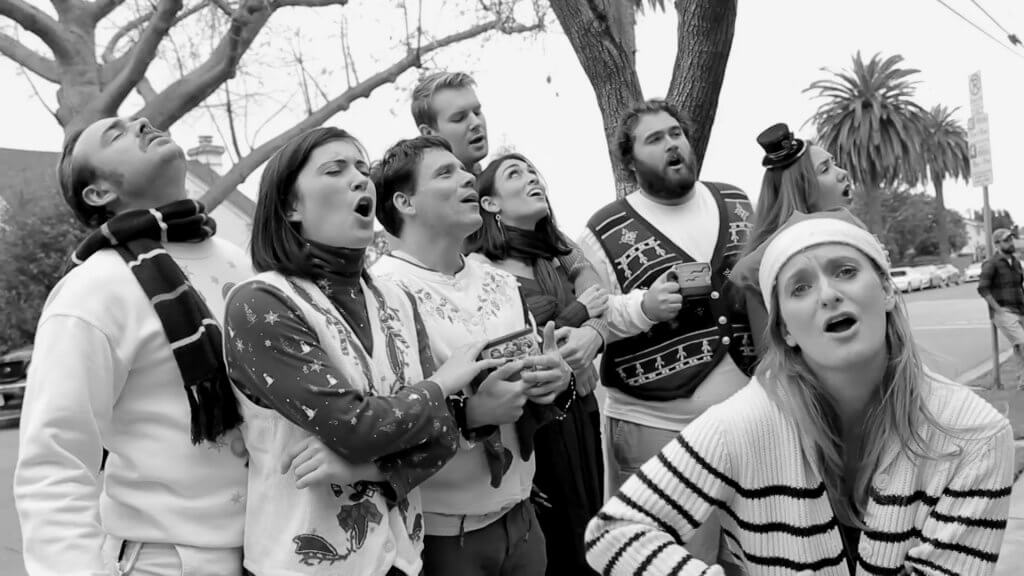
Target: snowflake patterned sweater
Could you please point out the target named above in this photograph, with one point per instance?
(930, 517)
(302, 370)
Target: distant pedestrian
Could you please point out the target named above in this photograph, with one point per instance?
(1002, 286)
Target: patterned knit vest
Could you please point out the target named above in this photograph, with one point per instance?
(672, 359)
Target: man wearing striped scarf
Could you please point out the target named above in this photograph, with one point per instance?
(128, 360)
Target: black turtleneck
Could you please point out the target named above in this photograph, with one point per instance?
(337, 273)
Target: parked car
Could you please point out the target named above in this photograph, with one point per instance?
(13, 372)
(930, 276)
(950, 274)
(973, 272)
(906, 279)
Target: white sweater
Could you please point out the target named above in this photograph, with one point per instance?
(743, 457)
(478, 303)
(103, 375)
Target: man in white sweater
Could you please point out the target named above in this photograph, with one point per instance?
(126, 360)
(479, 520)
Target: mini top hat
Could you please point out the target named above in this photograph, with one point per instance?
(781, 148)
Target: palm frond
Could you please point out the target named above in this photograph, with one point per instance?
(642, 5)
(869, 121)
(945, 144)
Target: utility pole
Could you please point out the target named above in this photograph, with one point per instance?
(981, 176)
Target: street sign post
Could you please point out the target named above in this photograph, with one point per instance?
(980, 149)
(977, 97)
(980, 152)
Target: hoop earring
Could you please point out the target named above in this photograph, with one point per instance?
(501, 227)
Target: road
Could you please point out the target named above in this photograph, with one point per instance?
(10, 534)
(952, 328)
(950, 325)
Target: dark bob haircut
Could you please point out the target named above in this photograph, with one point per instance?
(489, 239)
(74, 179)
(396, 172)
(625, 134)
(277, 244)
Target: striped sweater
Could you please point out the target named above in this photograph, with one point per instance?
(743, 457)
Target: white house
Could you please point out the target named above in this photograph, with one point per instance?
(234, 215)
(975, 246)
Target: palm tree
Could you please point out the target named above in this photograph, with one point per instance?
(871, 124)
(945, 156)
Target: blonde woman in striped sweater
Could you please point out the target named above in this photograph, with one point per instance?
(842, 456)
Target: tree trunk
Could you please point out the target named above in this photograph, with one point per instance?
(705, 35)
(941, 222)
(79, 74)
(873, 203)
(601, 33)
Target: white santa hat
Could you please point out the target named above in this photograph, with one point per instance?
(802, 233)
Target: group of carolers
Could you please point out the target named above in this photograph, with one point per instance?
(293, 412)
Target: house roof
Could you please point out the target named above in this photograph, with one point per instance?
(206, 174)
(27, 175)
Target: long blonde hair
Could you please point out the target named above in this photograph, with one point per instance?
(896, 415)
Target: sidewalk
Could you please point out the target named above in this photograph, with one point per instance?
(1011, 557)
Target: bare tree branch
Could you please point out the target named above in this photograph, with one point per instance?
(240, 171)
(131, 26)
(319, 88)
(102, 8)
(141, 55)
(304, 85)
(266, 121)
(308, 3)
(232, 158)
(113, 65)
(223, 6)
(31, 60)
(145, 90)
(37, 22)
(231, 121)
(39, 96)
(307, 78)
(346, 53)
(247, 20)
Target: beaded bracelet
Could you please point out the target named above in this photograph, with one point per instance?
(572, 398)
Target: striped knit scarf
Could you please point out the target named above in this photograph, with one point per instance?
(195, 337)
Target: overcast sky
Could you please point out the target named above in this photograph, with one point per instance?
(779, 48)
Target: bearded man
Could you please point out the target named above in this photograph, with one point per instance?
(679, 341)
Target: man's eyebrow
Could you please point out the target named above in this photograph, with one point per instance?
(654, 133)
(115, 125)
(447, 166)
